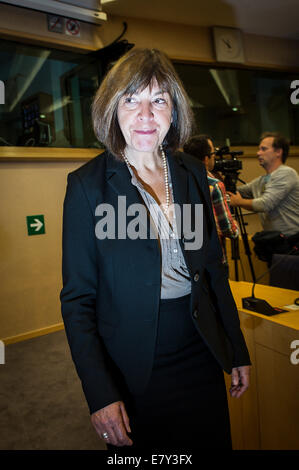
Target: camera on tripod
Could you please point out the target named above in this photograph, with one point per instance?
(229, 167)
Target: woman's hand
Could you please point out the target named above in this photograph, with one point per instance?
(240, 381)
(114, 421)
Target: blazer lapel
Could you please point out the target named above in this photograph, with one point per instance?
(180, 186)
(185, 193)
(119, 179)
(179, 177)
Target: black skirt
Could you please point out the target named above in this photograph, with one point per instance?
(185, 405)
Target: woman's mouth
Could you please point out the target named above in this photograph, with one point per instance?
(145, 132)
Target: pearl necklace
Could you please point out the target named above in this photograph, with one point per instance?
(165, 207)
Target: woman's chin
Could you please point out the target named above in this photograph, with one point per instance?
(144, 148)
(149, 144)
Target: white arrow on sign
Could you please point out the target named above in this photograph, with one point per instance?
(38, 225)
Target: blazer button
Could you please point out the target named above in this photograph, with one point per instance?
(195, 314)
(196, 277)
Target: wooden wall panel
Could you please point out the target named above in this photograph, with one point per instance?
(278, 396)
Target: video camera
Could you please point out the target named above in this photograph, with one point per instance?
(230, 168)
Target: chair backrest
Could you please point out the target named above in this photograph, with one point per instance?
(286, 273)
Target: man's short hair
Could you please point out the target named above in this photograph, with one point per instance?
(279, 142)
(198, 146)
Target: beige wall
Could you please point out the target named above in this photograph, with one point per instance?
(30, 267)
(32, 25)
(179, 41)
(195, 42)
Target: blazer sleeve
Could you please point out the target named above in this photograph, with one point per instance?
(222, 295)
(78, 298)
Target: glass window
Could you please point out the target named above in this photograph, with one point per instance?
(240, 104)
(48, 95)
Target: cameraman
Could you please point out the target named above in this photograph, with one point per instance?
(275, 196)
(201, 146)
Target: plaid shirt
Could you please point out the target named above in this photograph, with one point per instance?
(226, 226)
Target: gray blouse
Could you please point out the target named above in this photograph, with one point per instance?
(175, 278)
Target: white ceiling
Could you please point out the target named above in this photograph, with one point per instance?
(277, 18)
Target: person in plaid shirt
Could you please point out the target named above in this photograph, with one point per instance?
(201, 146)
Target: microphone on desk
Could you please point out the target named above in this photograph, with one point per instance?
(260, 305)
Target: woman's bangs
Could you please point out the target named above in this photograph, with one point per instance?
(143, 80)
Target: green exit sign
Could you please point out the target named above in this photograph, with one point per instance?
(35, 224)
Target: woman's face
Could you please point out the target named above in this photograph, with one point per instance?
(144, 118)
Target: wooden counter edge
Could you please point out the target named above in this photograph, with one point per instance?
(11, 153)
(38, 154)
(288, 319)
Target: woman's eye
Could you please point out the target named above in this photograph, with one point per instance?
(130, 100)
(160, 101)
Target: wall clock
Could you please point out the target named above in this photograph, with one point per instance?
(228, 44)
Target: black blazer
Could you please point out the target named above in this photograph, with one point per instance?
(111, 288)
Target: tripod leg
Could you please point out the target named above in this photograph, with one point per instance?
(235, 255)
(240, 220)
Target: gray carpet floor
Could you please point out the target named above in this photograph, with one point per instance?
(42, 406)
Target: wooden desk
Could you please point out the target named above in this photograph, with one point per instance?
(267, 415)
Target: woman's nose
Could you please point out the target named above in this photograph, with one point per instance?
(145, 111)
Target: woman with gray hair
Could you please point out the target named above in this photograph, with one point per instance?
(149, 315)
